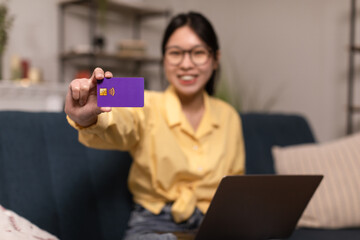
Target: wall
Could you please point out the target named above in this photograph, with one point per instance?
(278, 55)
(285, 56)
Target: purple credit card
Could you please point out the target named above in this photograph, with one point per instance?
(120, 92)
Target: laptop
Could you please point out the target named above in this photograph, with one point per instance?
(257, 207)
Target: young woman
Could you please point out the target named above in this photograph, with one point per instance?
(182, 142)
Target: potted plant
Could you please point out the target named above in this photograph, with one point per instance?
(99, 40)
(5, 24)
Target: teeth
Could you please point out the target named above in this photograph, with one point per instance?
(187, 78)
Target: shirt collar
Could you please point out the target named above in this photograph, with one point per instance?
(210, 112)
(175, 115)
(172, 107)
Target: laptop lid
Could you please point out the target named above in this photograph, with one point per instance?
(257, 206)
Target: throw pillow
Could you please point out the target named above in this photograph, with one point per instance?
(14, 227)
(336, 203)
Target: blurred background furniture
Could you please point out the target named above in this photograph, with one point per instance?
(103, 19)
(75, 192)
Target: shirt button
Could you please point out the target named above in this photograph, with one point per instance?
(196, 147)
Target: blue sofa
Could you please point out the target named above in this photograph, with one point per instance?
(75, 192)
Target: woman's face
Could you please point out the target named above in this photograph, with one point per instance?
(186, 74)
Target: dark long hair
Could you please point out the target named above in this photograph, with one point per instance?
(203, 28)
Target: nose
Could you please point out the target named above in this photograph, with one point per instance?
(186, 62)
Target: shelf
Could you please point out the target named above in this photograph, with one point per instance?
(19, 88)
(23, 96)
(104, 56)
(355, 48)
(87, 59)
(139, 9)
(355, 109)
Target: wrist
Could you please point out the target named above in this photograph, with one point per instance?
(86, 123)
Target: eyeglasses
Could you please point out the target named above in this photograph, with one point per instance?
(199, 55)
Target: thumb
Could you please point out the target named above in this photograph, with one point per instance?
(102, 109)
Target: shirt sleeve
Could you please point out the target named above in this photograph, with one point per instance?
(119, 129)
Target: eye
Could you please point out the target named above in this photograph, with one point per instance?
(199, 52)
(174, 53)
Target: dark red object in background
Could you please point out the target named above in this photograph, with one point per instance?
(25, 68)
(83, 74)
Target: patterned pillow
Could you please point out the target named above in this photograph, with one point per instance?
(14, 227)
(336, 203)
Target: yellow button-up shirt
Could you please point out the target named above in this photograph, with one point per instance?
(171, 161)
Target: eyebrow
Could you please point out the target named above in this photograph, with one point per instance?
(176, 46)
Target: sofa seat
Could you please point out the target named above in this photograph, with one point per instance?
(75, 192)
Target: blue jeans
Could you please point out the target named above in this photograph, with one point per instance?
(145, 225)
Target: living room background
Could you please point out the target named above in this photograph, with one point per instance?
(277, 55)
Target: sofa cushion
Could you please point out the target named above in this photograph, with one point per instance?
(48, 177)
(325, 234)
(262, 131)
(336, 203)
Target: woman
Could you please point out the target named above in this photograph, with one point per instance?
(183, 141)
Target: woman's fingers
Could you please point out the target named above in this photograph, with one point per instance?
(75, 89)
(108, 74)
(81, 88)
(98, 74)
(105, 109)
(84, 92)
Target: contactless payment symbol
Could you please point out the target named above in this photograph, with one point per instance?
(112, 91)
(103, 92)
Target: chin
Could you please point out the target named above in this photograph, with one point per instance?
(188, 90)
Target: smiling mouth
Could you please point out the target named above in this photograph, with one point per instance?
(187, 79)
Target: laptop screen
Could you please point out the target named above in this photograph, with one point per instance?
(257, 206)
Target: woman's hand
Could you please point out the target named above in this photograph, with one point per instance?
(81, 99)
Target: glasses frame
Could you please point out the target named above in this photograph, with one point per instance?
(183, 52)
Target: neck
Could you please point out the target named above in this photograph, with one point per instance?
(192, 103)
(193, 108)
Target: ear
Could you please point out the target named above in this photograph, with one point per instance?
(217, 60)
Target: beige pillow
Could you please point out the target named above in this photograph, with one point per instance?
(14, 227)
(336, 203)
